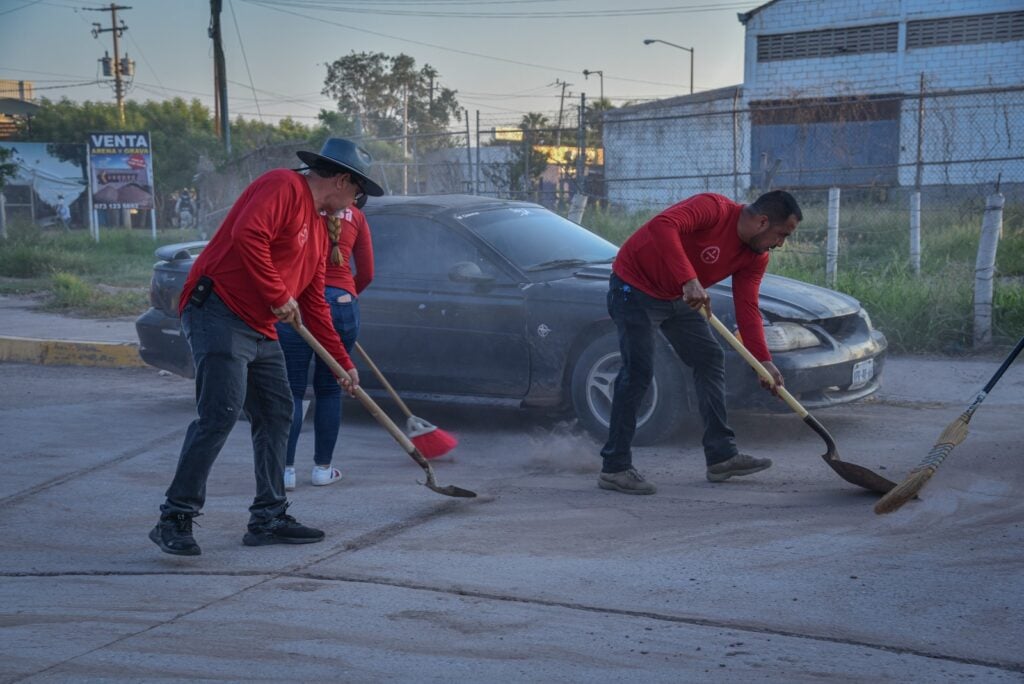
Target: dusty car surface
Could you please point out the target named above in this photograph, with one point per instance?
(485, 299)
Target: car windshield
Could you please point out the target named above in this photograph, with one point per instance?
(534, 239)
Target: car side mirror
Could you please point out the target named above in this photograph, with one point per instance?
(469, 272)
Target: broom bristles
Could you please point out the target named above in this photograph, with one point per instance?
(954, 433)
(903, 492)
(434, 443)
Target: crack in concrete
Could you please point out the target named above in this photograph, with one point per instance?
(124, 456)
(363, 541)
(732, 625)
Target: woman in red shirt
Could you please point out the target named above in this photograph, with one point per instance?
(351, 245)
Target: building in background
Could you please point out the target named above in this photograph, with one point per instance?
(15, 106)
(862, 94)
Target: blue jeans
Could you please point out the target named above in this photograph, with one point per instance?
(237, 369)
(636, 315)
(297, 354)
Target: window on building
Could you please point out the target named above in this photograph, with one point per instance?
(977, 28)
(828, 42)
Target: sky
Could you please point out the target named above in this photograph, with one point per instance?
(503, 57)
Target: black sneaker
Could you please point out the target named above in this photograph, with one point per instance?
(740, 464)
(173, 534)
(284, 529)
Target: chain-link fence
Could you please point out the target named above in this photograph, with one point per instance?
(952, 147)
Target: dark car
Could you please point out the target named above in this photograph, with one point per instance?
(501, 300)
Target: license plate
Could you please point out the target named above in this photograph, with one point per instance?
(863, 371)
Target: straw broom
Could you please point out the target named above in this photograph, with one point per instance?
(954, 433)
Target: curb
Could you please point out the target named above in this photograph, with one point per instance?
(70, 353)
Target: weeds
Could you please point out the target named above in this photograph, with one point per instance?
(108, 278)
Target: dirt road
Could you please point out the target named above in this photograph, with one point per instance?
(785, 576)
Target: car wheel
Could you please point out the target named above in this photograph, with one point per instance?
(663, 410)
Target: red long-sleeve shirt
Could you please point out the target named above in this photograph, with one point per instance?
(355, 245)
(271, 246)
(697, 238)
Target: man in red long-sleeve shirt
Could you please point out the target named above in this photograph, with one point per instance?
(265, 264)
(658, 281)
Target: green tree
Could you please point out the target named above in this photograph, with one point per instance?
(375, 90)
(179, 131)
(519, 175)
(7, 168)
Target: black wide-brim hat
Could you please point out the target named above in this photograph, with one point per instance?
(347, 156)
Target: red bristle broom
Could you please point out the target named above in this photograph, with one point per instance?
(431, 440)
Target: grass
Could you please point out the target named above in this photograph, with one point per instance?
(930, 312)
(108, 278)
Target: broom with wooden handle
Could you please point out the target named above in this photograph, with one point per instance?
(431, 440)
(370, 405)
(954, 433)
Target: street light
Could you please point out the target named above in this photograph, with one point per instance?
(648, 41)
(586, 75)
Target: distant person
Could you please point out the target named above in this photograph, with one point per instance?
(185, 209)
(63, 213)
(350, 242)
(265, 264)
(657, 282)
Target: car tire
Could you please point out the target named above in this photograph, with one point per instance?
(664, 409)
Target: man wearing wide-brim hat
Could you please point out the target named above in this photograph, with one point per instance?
(264, 264)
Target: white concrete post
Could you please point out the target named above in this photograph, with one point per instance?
(3, 216)
(985, 269)
(832, 244)
(915, 232)
(577, 206)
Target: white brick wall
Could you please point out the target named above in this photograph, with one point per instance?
(946, 67)
(637, 146)
(960, 128)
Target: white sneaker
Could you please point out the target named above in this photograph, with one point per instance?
(325, 475)
(289, 478)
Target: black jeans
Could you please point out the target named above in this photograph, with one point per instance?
(636, 316)
(237, 369)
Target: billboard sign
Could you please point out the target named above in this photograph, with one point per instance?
(121, 171)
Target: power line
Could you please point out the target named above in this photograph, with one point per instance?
(241, 45)
(374, 8)
(28, 4)
(274, 6)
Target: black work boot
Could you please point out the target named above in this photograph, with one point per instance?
(283, 529)
(173, 534)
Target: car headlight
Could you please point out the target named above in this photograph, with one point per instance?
(867, 318)
(788, 336)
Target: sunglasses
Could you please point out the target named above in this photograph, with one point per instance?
(359, 186)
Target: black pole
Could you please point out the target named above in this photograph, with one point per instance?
(220, 72)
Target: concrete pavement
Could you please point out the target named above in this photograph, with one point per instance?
(786, 576)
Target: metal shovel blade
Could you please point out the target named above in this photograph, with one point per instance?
(851, 472)
(452, 490)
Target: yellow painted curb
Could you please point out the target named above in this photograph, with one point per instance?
(70, 353)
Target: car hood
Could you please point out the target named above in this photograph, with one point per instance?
(781, 297)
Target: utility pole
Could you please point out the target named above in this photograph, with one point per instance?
(220, 77)
(599, 72)
(561, 104)
(119, 68)
(405, 139)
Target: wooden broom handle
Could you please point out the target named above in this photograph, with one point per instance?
(383, 380)
(368, 403)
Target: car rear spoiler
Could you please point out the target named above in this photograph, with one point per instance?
(180, 251)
